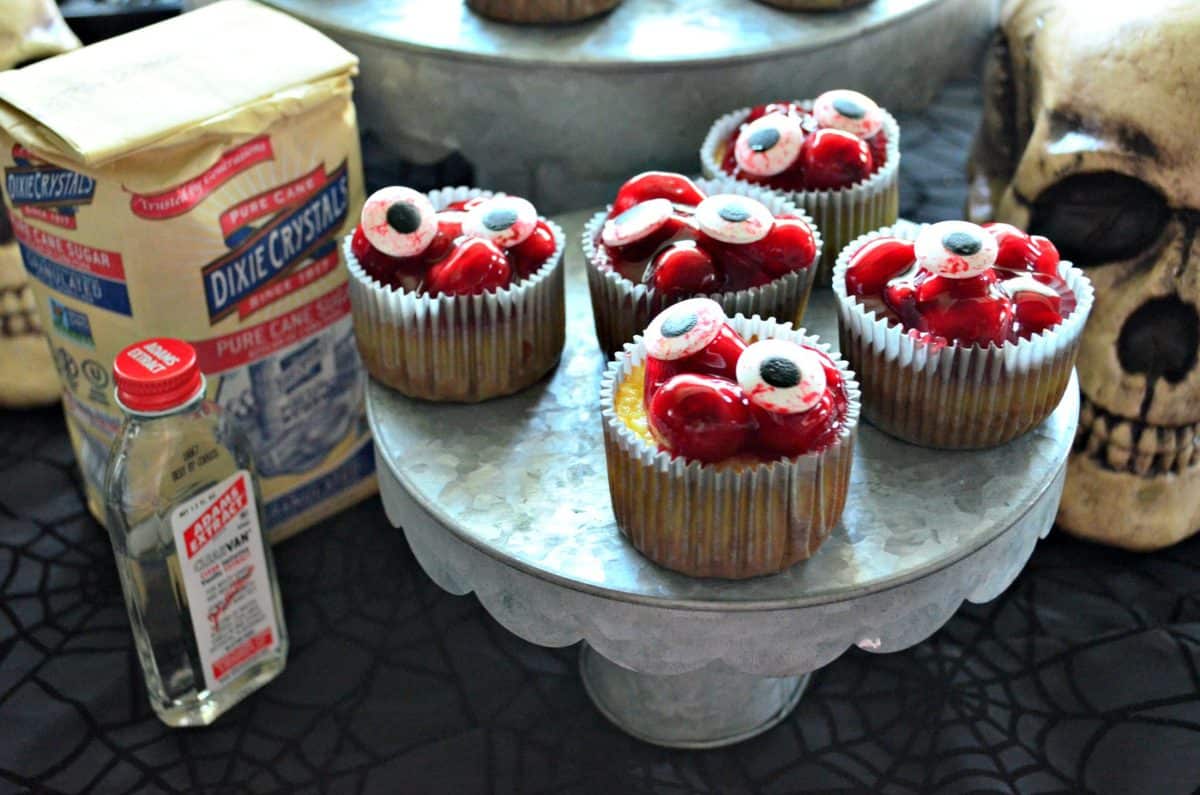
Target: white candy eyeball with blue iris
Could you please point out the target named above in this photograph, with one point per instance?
(398, 221)
(507, 221)
(781, 376)
(636, 223)
(956, 249)
(684, 328)
(731, 218)
(769, 145)
(847, 110)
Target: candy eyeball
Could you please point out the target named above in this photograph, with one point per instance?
(505, 220)
(956, 249)
(850, 111)
(684, 328)
(636, 223)
(781, 376)
(399, 222)
(769, 145)
(730, 218)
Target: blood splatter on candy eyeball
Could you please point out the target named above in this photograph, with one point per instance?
(504, 220)
(636, 223)
(730, 218)
(398, 221)
(769, 145)
(781, 376)
(684, 328)
(956, 249)
(847, 110)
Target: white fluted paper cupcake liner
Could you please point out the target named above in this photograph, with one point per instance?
(842, 214)
(953, 396)
(462, 348)
(725, 520)
(622, 309)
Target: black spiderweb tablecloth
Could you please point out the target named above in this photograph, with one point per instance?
(1083, 676)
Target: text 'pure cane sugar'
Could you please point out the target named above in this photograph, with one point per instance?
(193, 179)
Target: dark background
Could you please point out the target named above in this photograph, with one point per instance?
(1082, 677)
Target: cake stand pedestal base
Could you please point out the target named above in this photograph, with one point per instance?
(708, 708)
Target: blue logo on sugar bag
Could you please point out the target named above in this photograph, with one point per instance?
(277, 248)
(43, 186)
(73, 325)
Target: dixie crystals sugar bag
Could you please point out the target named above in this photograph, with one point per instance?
(193, 179)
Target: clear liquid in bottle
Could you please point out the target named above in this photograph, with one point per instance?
(184, 517)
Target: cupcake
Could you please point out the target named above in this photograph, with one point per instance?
(666, 238)
(962, 336)
(541, 11)
(836, 157)
(729, 442)
(457, 295)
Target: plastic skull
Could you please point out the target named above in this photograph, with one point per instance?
(1089, 138)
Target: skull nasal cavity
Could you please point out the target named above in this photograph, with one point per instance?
(1160, 339)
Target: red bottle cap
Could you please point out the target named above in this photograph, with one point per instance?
(157, 375)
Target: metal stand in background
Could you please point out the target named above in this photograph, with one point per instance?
(563, 114)
(509, 500)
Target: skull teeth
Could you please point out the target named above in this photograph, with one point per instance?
(1125, 445)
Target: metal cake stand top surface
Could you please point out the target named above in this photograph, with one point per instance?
(523, 480)
(652, 32)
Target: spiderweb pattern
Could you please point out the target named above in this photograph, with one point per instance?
(1082, 677)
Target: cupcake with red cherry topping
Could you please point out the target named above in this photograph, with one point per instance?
(836, 157)
(963, 336)
(729, 441)
(457, 295)
(666, 238)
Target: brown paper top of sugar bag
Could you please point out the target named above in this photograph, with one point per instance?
(206, 70)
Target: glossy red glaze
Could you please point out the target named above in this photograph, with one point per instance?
(876, 263)
(475, 266)
(789, 246)
(683, 269)
(799, 177)
(656, 185)
(701, 417)
(834, 159)
(718, 358)
(1021, 252)
(530, 255)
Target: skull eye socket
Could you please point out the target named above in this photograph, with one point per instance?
(1100, 217)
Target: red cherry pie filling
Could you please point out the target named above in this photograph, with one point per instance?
(962, 283)
(470, 247)
(706, 394)
(833, 142)
(665, 232)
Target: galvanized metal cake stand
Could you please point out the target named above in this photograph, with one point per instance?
(509, 500)
(561, 114)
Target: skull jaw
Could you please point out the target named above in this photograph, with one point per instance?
(1121, 509)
